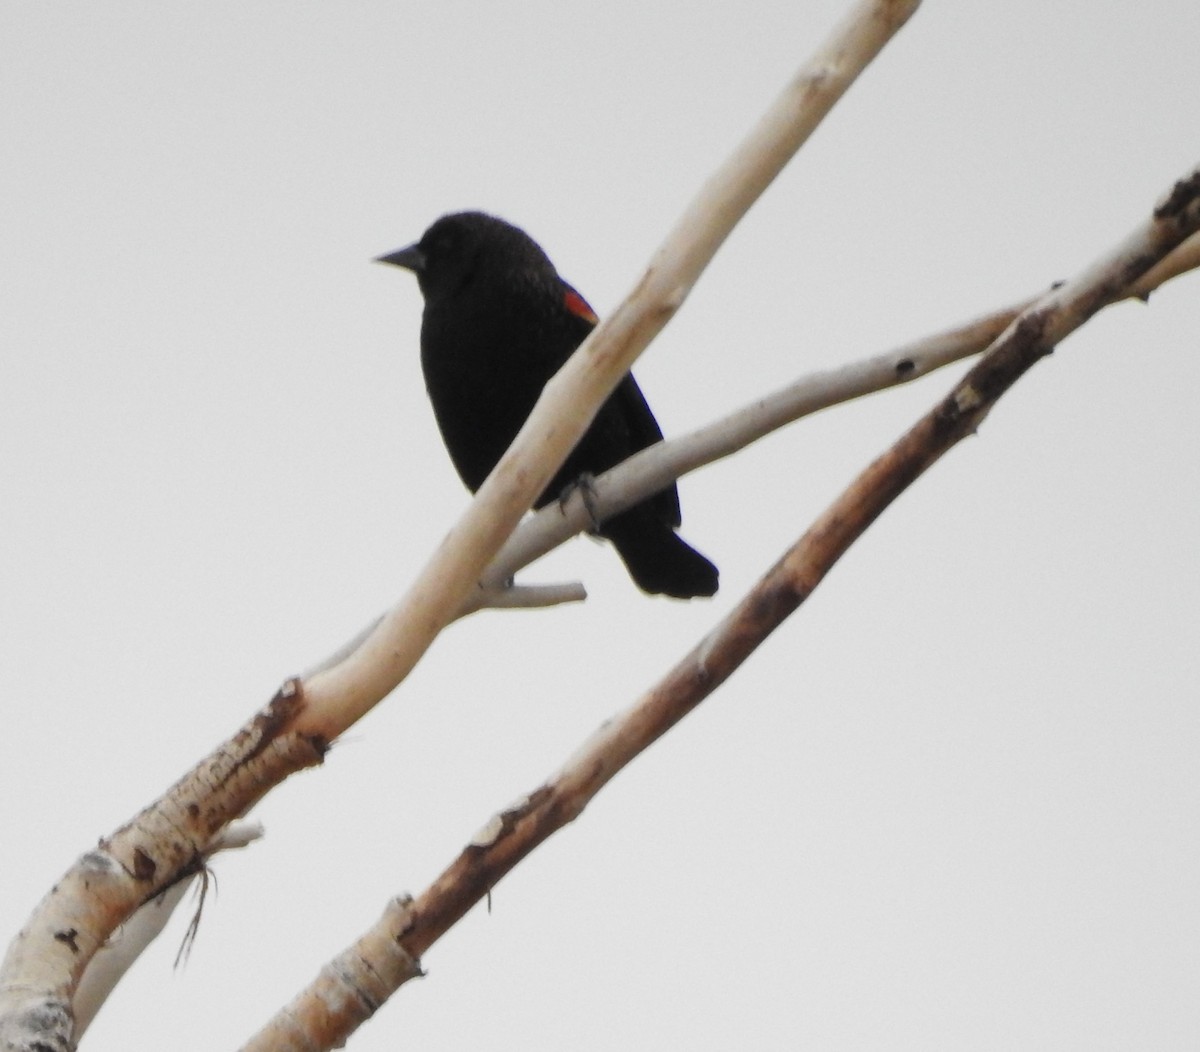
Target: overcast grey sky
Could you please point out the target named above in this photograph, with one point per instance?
(952, 804)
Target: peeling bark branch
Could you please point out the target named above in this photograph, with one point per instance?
(350, 989)
(163, 845)
(514, 833)
(118, 955)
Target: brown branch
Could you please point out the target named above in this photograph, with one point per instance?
(514, 833)
(350, 989)
(517, 831)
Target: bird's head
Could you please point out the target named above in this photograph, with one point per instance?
(461, 246)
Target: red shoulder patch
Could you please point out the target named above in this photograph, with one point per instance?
(578, 306)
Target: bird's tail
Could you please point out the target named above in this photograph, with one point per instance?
(657, 558)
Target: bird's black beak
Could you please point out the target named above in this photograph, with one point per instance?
(411, 258)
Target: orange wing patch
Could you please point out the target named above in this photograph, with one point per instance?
(578, 306)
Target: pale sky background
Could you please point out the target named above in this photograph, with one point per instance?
(952, 804)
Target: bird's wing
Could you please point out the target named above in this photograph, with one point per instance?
(625, 422)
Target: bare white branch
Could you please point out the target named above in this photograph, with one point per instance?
(336, 697)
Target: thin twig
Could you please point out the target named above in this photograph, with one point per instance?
(659, 465)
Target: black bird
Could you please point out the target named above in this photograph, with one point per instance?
(498, 323)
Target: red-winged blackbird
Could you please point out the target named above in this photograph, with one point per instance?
(498, 323)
